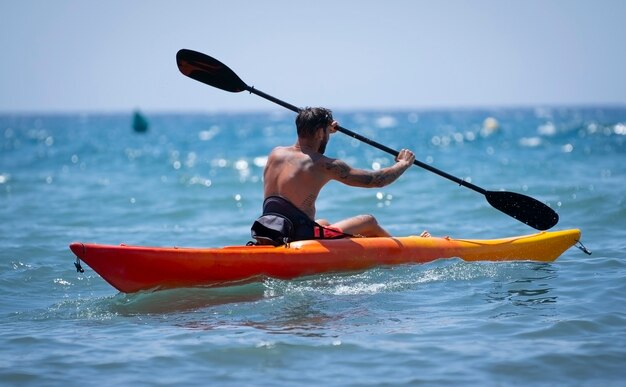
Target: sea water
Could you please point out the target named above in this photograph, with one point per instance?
(196, 180)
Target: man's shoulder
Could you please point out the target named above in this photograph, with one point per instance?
(281, 148)
(281, 151)
(328, 160)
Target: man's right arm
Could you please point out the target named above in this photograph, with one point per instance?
(341, 171)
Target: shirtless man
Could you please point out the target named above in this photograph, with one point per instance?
(294, 176)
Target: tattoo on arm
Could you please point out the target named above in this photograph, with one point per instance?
(338, 168)
(380, 178)
(309, 201)
(342, 172)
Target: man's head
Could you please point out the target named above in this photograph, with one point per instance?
(309, 120)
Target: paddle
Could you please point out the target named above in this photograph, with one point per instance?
(214, 73)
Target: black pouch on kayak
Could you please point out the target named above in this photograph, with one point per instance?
(272, 229)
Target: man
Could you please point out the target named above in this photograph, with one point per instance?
(294, 176)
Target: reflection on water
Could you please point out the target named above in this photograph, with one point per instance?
(262, 306)
(184, 300)
(311, 307)
(301, 319)
(300, 315)
(275, 311)
(308, 307)
(529, 288)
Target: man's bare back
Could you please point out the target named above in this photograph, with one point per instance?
(297, 175)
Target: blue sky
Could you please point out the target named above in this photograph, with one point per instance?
(89, 56)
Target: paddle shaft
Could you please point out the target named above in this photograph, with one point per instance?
(366, 140)
(212, 72)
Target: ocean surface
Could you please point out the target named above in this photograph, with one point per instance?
(195, 180)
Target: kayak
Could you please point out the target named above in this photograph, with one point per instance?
(131, 269)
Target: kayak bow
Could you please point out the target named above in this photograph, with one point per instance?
(133, 268)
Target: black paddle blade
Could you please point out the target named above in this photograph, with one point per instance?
(523, 208)
(211, 71)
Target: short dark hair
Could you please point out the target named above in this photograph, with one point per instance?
(310, 119)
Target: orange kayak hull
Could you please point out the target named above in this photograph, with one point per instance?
(133, 268)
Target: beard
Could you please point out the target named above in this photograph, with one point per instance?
(322, 147)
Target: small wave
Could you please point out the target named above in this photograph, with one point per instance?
(389, 279)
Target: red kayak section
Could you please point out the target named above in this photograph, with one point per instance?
(133, 268)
